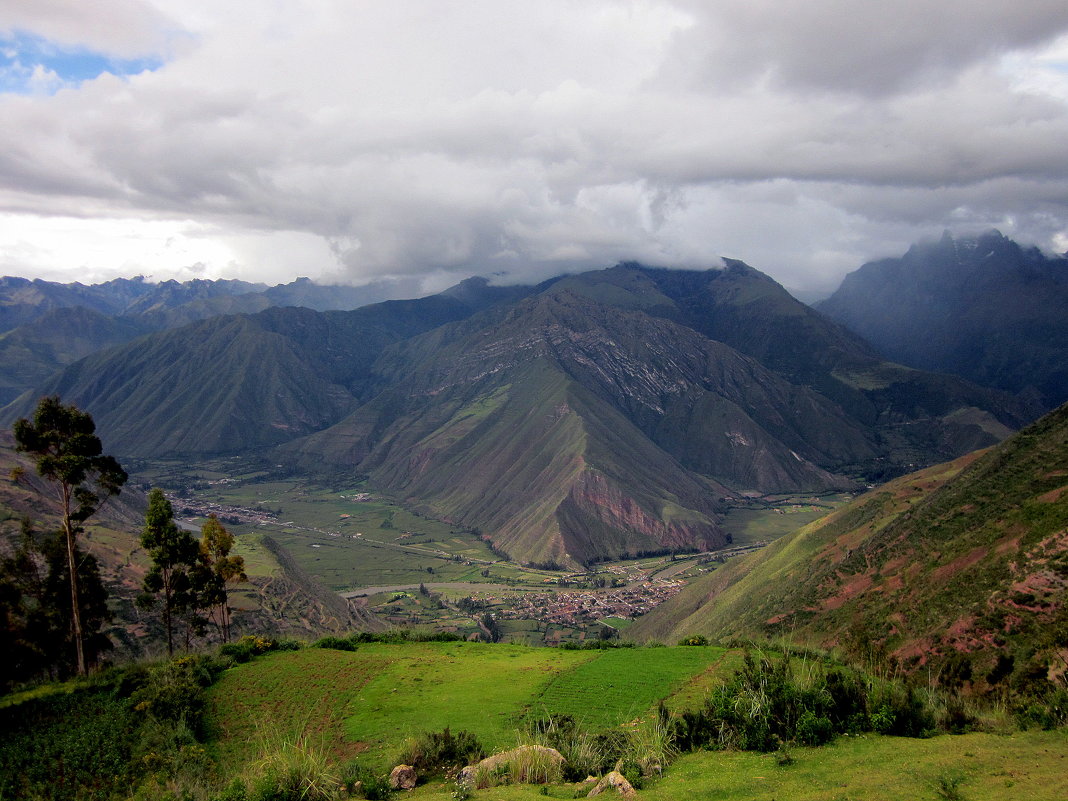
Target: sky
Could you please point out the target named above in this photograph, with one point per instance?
(350, 141)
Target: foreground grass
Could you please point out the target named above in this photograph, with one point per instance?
(978, 767)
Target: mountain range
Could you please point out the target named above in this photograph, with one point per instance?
(593, 416)
(44, 325)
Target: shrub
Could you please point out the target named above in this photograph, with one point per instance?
(694, 639)
(361, 781)
(534, 766)
(583, 753)
(764, 705)
(813, 730)
(174, 690)
(334, 643)
(253, 645)
(904, 713)
(1047, 712)
(651, 745)
(292, 769)
(441, 752)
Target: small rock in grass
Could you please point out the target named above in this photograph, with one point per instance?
(402, 777)
(614, 781)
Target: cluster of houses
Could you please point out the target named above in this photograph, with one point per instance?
(574, 607)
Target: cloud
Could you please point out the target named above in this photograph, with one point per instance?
(125, 29)
(440, 139)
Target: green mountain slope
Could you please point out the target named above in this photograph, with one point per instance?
(968, 557)
(31, 353)
(439, 401)
(236, 383)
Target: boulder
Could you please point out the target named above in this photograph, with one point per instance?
(402, 777)
(614, 781)
(487, 766)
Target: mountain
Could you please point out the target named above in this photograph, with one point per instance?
(965, 560)
(44, 326)
(591, 416)
(239, 382)
(31, 353)
(575, 431)
(916, 417)
(23, 301)
(982, 307)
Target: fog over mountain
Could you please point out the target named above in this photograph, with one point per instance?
(349, 141)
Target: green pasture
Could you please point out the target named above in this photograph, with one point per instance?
(365, 703)
(369, 700)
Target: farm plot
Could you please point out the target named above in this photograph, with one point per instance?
(622, 684)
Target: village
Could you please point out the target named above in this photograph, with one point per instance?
(575, 607)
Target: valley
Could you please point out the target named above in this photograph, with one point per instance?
(409, 569)
(475, 507)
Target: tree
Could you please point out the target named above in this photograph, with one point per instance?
(218, 569)
(174, 555)
(63, 442)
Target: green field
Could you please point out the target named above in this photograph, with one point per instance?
(344, 535)
(380, 693)
(623, 684)
(365, 703)
(777, 516)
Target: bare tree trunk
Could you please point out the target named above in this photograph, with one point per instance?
(72, 566)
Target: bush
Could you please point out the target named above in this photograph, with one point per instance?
(436, 753)
(903, 713)
(253, 645)
(334, 643)
(763, 706)
(293, 769)
(361, 781)
(813, 730)
(1048, 712)
(174, 691)
(694, 639)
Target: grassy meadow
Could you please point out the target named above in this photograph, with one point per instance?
(366, 706)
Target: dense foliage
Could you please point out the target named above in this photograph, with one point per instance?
(68, 454)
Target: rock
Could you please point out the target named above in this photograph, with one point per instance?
(402, 777)
(614, 781)
(505, 760)
(467, 775)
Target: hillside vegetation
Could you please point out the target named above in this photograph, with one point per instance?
(962, 567)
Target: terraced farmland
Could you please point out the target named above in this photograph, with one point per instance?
(371, 699)
(622, 684)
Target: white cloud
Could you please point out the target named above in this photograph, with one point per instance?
(438, 138)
